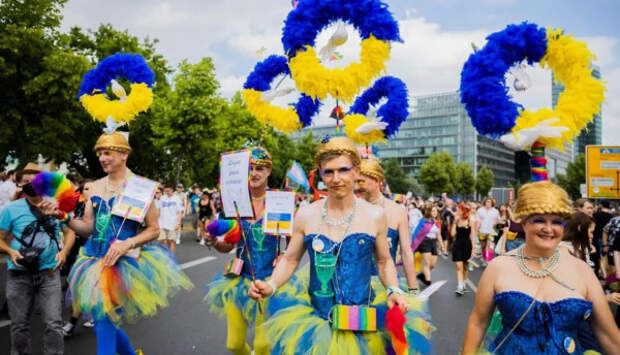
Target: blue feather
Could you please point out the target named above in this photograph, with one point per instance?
(483, 86)
(310, 16)
(394, 112)
(263, 74)
(132, 67)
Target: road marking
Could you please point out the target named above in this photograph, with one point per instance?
(471, 285)
(189, 264)
(5, 323)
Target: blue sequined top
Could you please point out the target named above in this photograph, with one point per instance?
(103, 236)
(262, 260)
(351, 281)
(548, 328)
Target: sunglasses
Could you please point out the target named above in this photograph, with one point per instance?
(329, 173)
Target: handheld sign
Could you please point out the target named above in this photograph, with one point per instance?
(279, 211)
(234, 184)
(135, 198)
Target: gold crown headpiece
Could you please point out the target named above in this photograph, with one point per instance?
(261, 157)
(371, 167)
(339, 145)
(542, 197)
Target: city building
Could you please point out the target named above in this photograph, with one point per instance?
(439, 123)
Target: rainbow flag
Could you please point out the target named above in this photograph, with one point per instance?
(336, 56)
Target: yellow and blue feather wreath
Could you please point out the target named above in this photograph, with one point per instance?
(131, 67)
(376, 26)
(485, 94)
(394, 112)
(288, 119)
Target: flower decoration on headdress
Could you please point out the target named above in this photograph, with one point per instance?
(365, 124)
(485, 94)
(257, 95)
(131, 67)
(377, 29)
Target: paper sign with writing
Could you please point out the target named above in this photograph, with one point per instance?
(279, 212)
(135, 198)
(234, 184)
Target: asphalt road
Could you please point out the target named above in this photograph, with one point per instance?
(186, 326)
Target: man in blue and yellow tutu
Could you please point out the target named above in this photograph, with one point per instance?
(227, 294)
(118, 277)
(339, 313)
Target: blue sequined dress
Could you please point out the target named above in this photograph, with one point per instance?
(549, 328)
(133, 287)
(301, 325)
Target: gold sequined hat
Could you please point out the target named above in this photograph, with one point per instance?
(341, 145)
(542, 197)
(371, 168)
(261, 157)
(116, 141)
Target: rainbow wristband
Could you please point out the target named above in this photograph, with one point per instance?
(66, 217)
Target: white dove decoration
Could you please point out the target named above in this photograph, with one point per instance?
(522, 81)
(368, 127)
(339, 37)
(526, 137)
(111, 125)
(269, 95)
(118, 90)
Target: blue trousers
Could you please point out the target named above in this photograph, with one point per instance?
(111, 340)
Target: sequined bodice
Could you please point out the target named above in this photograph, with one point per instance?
(262, 258)
(392, 237)
(548, 328)
(106, 231)
(351, 280)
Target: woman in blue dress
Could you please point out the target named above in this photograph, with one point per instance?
(341, 234)
(548, 292)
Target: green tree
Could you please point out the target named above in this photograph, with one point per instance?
(39, 76)
(447, 162)
(484, 181)
(395, 176)
(183, 122)
(575, 176)
(465, 179)
(433, 175)
(306, 149)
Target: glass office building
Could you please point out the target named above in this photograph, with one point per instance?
(439, 123)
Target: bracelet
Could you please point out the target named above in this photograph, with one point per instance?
(65, 218)
(394, 289)
(413, 290)
(273, 285)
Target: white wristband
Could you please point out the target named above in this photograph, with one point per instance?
(273, 285)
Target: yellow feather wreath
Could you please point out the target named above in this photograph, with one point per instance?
(100, 108)
(284, 119)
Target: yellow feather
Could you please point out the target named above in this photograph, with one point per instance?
(283, 119)
(100, 108)
(352, 122)
(315, 80)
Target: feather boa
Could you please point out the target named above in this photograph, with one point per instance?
(285, 119)
(394, 112)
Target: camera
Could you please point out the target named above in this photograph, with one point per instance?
(30, 258)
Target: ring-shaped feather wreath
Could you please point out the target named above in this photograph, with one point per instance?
(258, 83)
(485, 94)
(393, 113)
(131, 67)
(376, 26)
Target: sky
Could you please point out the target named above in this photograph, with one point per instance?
(437, 38)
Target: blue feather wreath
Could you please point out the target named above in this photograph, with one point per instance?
(483, 86)
(132, 67)
(310, 16)
(263, 74)
(394, 112)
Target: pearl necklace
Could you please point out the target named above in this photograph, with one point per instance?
(547, 270)
(347, 218)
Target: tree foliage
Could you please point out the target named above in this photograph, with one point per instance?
(466, 182)
(395, 176)
(484, 181)
(575, 176)
(436, 174)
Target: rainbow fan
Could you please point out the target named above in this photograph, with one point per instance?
(227, 227)
(57, 186)
(395, 326)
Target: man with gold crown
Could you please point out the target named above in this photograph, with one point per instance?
(339, 313)
(227, 295)
(369, 186)
(118, 276)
